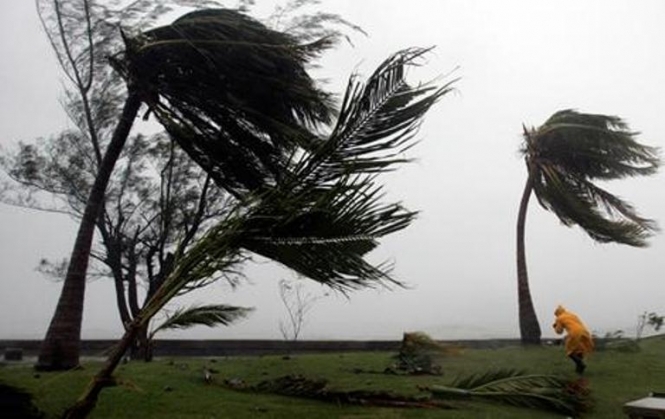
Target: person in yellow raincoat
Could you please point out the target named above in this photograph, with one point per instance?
(579, 342)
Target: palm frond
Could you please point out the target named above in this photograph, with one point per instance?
(544, 392)
(207, 315)
(317, 389)
(325, 214)
(569, 151)
(255, 69)
(592, 146)
(228, 89)
(325, 233)
(377, 120)
(215, 253)
(325, 217)
(603, 216)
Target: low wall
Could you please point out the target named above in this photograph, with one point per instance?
(175, 347)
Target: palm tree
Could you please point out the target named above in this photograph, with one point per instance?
(563, 157)
(322, 215)
(233, 93)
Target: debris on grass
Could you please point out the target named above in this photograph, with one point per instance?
(538, 392)
(419, 353)
(316, 389)
(541, 392)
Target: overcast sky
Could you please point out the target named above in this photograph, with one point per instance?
(519, 62)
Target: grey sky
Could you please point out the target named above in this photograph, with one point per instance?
(520, 61)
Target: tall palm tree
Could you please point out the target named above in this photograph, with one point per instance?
(323, 214)
(236, 97)
(563, 157)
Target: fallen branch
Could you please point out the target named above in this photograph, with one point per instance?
(299, 386)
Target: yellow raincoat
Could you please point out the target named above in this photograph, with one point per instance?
(578, 340)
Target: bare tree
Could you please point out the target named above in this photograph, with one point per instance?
(298, 302)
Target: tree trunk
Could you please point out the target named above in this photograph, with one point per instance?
(104, 377)
(529, 327)
(141, 348)
(60, 348)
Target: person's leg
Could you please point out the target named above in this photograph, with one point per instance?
(580, 366)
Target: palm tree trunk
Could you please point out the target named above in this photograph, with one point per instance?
(104, 377)
(529, 327)
(60, 348)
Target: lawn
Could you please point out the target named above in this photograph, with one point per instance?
(175, 388)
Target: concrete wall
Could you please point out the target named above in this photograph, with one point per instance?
(249, 347)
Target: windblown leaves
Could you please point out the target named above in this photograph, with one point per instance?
(326, 234)
(573, 149)
(207, 315)
(329, 213)
(377, 120)
(309, 203)
(233, 93)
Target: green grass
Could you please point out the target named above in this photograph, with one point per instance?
(174, 388)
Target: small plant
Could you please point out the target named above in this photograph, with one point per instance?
(298, 304)
(655, 321)
(641, 323)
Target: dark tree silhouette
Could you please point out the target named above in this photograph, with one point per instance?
(235, 96)
(563, 157)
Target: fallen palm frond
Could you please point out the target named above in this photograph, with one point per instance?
(303, 387)
(540, 392)
(544, 392)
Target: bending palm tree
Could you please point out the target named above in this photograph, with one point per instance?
(322, 215)
(236, 97)
(563, 157)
